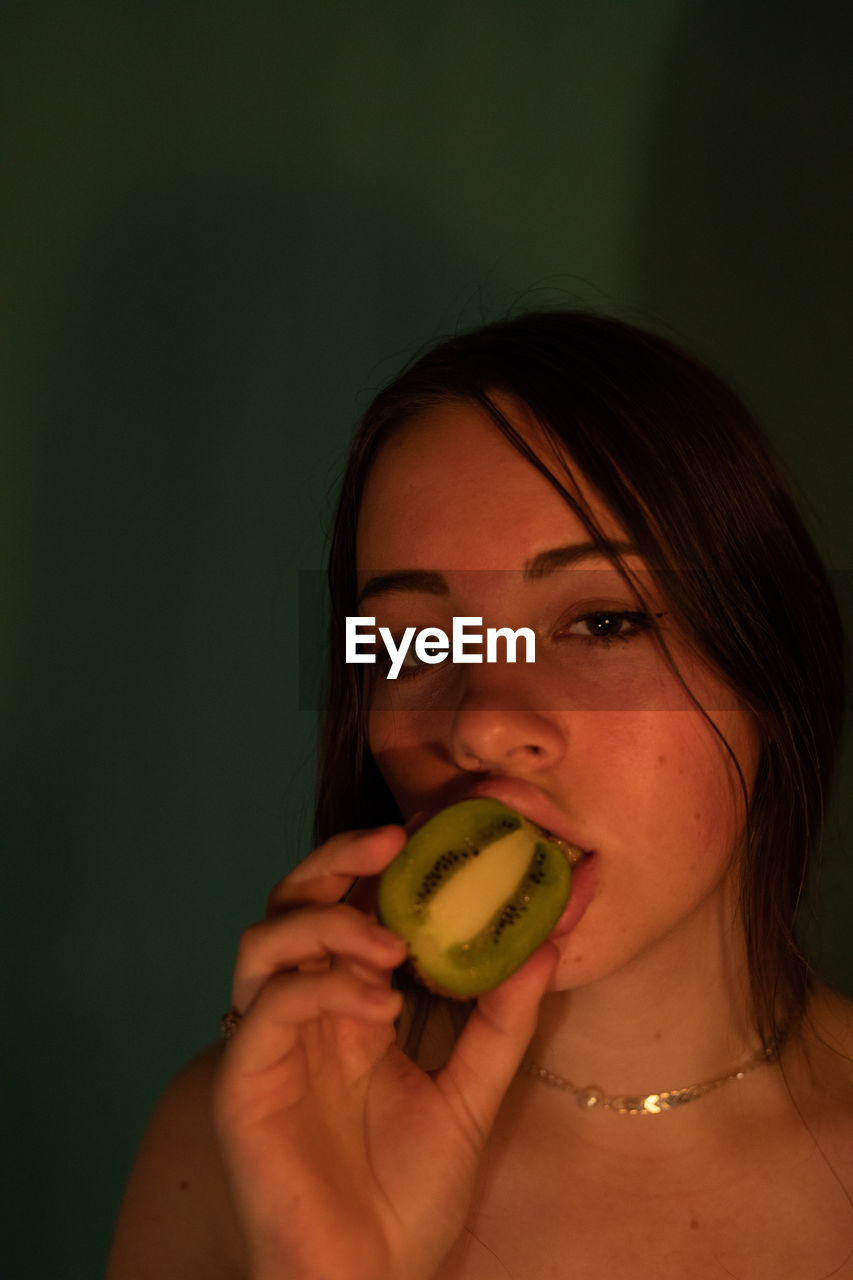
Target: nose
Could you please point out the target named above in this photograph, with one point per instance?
(486, 736)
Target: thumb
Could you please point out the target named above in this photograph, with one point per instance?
(490, 1049)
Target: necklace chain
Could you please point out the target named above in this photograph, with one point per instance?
(591, 1097)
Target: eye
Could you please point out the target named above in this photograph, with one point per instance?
(410, 667)
(603, 626)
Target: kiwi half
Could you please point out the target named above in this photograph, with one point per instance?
(474, 892)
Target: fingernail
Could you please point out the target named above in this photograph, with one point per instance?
(387, 937)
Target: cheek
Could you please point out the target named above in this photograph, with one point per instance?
(391, 731)
(708, 791)
(399, 743)
(668, 778)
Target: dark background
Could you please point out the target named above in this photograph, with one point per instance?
(223, 226)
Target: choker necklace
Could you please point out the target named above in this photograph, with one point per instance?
(650, 1104)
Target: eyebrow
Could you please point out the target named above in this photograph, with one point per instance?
(562, 557)
(426, 581)
(429, 582)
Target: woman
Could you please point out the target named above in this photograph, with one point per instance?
(566, 473)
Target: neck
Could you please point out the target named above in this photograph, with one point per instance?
(676, 1015)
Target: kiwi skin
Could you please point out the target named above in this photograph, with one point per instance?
(515, 888)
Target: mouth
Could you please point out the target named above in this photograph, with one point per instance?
(584, 889)
(531, 804)
(573, 854)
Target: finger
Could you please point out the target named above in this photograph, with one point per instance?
(363, 894)
(289, 1003)
(490, 1049)
(364, 891)
(328, 872)
(306, 939)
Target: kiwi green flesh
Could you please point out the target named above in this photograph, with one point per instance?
(474, 892)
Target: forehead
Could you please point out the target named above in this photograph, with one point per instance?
(449, 491)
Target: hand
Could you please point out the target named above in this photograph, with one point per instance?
(348, 1162)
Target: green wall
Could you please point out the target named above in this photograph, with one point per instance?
(223, 227)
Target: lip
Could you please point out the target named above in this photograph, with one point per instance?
(531, 804)
(584, 888)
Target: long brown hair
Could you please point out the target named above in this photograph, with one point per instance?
(684, 469)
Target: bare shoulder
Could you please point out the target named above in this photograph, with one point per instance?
(177, 1216)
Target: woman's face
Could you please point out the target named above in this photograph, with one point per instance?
(597, 739)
